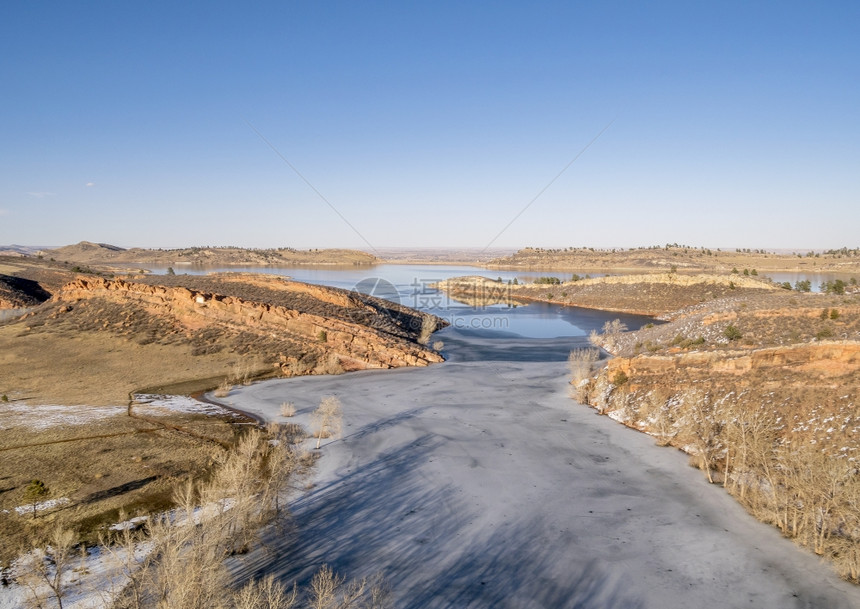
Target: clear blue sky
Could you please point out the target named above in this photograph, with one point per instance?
(736, 124)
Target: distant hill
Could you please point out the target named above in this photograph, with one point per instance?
(21, 250)
(87, 252)
(682, 258)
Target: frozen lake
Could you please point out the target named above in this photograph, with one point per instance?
(478, 482)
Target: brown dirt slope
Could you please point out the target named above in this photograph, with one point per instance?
(17, 292)
(28, 280)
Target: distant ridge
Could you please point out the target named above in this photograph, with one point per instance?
(84, 248)
(681, 258)
(22, 250)
(87, 252)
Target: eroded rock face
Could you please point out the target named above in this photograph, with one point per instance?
(809, 390)
(344, 330)
(831, 359)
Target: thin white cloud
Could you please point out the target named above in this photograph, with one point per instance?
(3, 212)
(40, 195)
(90, 184)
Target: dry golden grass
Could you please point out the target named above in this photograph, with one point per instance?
(106, 465)
(71, 367)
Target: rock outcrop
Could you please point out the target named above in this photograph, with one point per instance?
(823, 359)
(325, 329)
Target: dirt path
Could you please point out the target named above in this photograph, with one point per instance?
(481, 484)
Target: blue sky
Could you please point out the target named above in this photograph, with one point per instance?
(731, 124)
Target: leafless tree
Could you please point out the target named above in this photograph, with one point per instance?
(327, 419)
(265, 594)
(45, 568)
(750, 433)
(704, 425)
(428, 327)
(580, 363)
(324, 588)
(612, 330)
(660, 412)
(128, 553)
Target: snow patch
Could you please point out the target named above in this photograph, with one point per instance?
(92, 583)
(42, 506)
(163, 405)
(131, 523)
(45, 416)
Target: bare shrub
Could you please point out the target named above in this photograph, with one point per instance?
(223, 390)
(327, 419)
(126, 552)
(614, 327)
(580, 362)
(750, 434)
(44, 571)
(215, 520)
(332, 365)
(264, 594)
(847, 558)
(328, 590)
(703, 427)
(612, 331)
(244, 371)
(295, 367)
(428, 327)
(661, 415)
(288, 409)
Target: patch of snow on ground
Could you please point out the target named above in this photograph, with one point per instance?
(91, 583)
(163, 405)
(617, 415)
(131, 523)
(94, 580)
(41, 506)
(40, 417)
